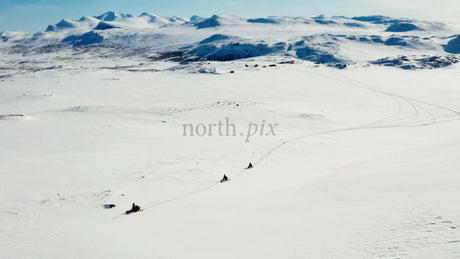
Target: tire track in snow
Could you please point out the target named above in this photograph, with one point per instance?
(415, 104)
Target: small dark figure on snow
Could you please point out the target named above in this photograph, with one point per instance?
(135, 208)
(109, 206)
(249, 166)
(224, 179)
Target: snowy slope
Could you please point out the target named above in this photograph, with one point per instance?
(363, 162)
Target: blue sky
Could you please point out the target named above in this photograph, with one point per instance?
(26, 15)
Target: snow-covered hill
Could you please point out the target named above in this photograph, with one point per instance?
(352, 125)
(333, 41)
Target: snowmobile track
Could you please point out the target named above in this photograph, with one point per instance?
(420, 116)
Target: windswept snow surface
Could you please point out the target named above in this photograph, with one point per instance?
(363, 161)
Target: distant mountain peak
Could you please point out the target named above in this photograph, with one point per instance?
(63, 24)
(213, 21)
(196, 18)
(112, 16)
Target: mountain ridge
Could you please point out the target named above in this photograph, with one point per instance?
(335, 41)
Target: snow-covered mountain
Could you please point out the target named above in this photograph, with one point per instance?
(353, 134)
(333, 41)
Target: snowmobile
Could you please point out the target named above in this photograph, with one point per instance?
(224, 179)
(135, 208)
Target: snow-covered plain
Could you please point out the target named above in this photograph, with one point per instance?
(364, 162)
